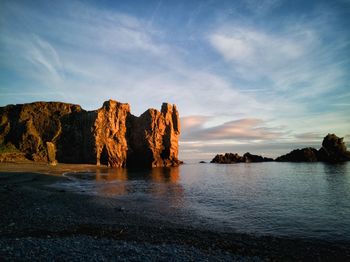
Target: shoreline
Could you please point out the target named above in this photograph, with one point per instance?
(58, 216)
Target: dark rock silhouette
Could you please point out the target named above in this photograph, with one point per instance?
(308, 154)
(255, 158)
(111, 135)
(230, 158)
(333, 150)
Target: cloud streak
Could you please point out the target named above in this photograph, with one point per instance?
(248, 129)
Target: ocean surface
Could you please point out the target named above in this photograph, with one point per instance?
(298, 200)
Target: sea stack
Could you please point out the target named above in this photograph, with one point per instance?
(61, 132)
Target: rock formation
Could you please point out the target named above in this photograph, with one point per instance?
(111, 135)
(154, 137)
(230, 158)
(333, 150)
(307, 154)
(28, 127)
(255, 158)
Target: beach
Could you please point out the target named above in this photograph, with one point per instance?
(39, 222)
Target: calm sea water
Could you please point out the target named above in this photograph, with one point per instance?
(299, 200)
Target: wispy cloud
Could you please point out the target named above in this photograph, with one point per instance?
(309, 136)
(93, 49)
(301, 59)
(236, 130)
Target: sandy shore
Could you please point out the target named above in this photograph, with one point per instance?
(39, 222)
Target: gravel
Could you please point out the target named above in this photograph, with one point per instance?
(84, 248)
(43, 223)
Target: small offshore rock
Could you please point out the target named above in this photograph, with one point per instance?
(231, 158)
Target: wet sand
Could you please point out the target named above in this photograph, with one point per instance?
(39, 222)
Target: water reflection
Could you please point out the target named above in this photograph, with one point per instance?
(112, 174)
(119, 175)
(120, 181)
(165, 175)
(333, 169)
(158, 187)
(304, 200)
(167, 186)
(338, 181)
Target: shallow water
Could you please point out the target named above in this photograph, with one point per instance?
(303, 200)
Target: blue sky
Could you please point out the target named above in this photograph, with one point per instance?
(259, 76)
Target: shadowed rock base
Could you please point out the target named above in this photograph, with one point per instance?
(111, 135)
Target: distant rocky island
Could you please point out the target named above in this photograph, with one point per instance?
(231, 158)
(333, 150)
(66, 133)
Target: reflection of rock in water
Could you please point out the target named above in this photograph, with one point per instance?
(111, 174)
(119, 175)
(167, 175)
(167, 186)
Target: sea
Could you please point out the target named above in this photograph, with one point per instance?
(294, 200)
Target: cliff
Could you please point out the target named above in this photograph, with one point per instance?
(111, 135)
(154, 137)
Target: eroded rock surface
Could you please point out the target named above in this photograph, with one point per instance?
(111, 135)
(154, 137)
(28, 127)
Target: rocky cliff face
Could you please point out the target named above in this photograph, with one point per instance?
(154, 137)
(28, 127)
(109, 131)
(110, 135)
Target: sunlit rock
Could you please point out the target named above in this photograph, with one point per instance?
(52, 131)
(154, 138)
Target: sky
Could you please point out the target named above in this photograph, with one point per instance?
(259, 76)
